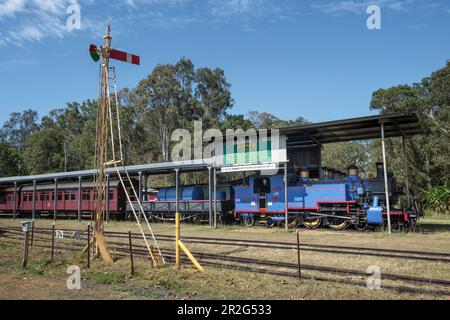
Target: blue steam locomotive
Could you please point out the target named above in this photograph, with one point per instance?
(337, 201)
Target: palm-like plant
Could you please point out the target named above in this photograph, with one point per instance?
(438, 197)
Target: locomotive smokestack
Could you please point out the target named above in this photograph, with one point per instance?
(353, 172)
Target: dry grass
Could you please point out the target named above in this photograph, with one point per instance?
(169, 283)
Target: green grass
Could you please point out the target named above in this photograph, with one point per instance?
(112, 278)
(6, 246)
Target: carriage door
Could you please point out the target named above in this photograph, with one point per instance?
(262, 189)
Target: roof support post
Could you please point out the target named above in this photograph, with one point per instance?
(145, 187)
(140, 185)
(140, 192)
(215, 198)
(386, 185)
(405, 159)
(55, 200)
(210, 204)
(15, 202)
(33, 212)
(107, 198)
(79, 198)
(177, 190)
(286, 214)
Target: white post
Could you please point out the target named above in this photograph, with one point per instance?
(286, 215)
(215, 198)
(386, 187)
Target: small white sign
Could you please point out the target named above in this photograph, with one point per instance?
(59, 234)
(255, 167)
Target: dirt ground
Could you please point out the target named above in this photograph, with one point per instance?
(47, 280)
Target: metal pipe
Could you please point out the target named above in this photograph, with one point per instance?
(298, 255)
(55, 200)
(140, 185)
(15, 201)
(210, 196)
(79, 198)
(177, 240)
(405, 159)
(386, 185)
(34, 201)
(215, 198)
(146, 187)
(177, 219)
(286, 216)
(140, 193)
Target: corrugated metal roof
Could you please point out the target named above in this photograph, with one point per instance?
(364, 128)
(153, 168)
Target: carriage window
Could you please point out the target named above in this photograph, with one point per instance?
(111, 195)
(25, 197)
(261, 185)
(41, 196)
(60, 196)
(66, 196)
(2, 198)
(73, 196)
(86, 195)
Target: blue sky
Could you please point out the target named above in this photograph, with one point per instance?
(315, 59)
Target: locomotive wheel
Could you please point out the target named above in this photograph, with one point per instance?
(361, 226)
(292, 222)
(312, 223)
(249, 221)
(337, 223)
(270, 223)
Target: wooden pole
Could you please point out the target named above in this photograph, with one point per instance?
(298, 255)
(53, 243)
(25, 249)
(32, 233)
(89, 246)
(103, 129)
(131, 252)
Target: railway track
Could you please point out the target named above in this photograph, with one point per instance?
(245, 264)
(332, 249)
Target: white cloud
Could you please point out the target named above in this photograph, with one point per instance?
(10, 7)
(35, 20)
(359, 7)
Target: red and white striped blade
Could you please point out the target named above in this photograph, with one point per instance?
(125, 57)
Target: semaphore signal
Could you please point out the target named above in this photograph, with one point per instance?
(113, 54)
